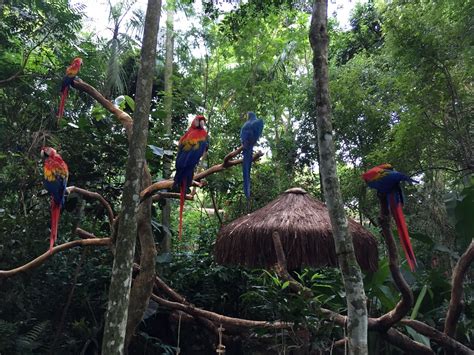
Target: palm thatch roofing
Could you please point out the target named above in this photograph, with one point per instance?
(305, 231)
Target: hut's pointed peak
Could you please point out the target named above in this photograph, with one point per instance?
(296, 190)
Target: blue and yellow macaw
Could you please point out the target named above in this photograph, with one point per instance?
(191, 147)
(386, 180)
(249, 135)
(56, 174)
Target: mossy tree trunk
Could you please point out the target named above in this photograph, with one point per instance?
(357, 310)
(119, 293)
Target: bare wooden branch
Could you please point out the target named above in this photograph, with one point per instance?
(81, 233)
(455, 304)
(46, 255)
(236, 322)
(168, 184)
(232, 155)
(169, 291)
(441, 338)
(97, 196)
(123, 117)
(282, 270)
(406, 302)
(405, 343)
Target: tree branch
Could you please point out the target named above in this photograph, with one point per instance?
(96, 196)
(455, 304)
(81, 233)
(227, 321)
(437, 336)
(123, 117)
(45, 256)
(406, 302)
(168, 184)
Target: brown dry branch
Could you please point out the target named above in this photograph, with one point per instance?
(123, 117)
(45, 256)
(168, 184)
(437, 336)
(81, 233)
(405, 343)
(282, 269)
(406, 302)
(96, 196)
(224, 320)
(455, 304)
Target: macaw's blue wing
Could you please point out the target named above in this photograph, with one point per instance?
(389, 181)
(249, 135)
(187, 159)
(56, 188)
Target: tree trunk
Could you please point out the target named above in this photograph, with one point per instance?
(168, 106)
(119, 292)
(357, 310)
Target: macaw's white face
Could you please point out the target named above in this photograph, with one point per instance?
(199, 122)
(47, 152)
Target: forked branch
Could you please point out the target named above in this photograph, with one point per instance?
(227, 163)
(46, 255)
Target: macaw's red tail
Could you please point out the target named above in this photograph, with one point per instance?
(397, 213)
(182, 194)
(55, 211)
(64, 93)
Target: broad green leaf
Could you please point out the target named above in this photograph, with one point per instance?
(130, 102)
(418, 302)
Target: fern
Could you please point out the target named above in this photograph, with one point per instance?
(30, 341)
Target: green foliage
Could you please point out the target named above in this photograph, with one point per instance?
(400, 80)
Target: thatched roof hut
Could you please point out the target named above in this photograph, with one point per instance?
(305, 231)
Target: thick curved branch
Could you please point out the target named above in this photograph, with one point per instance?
(406, 302)
(45, 256)
(168, 184)
(122, 116)
(227, 321)
(405, 343)
(455, 304)
(96, 196)
(437, 336)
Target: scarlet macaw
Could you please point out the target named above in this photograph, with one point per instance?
(71, 73)
(56, 174)
(249, 135)
(386, 180)
(191, 147)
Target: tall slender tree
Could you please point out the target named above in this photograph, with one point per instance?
(168, 106)
(119, 292)
(352, 276)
